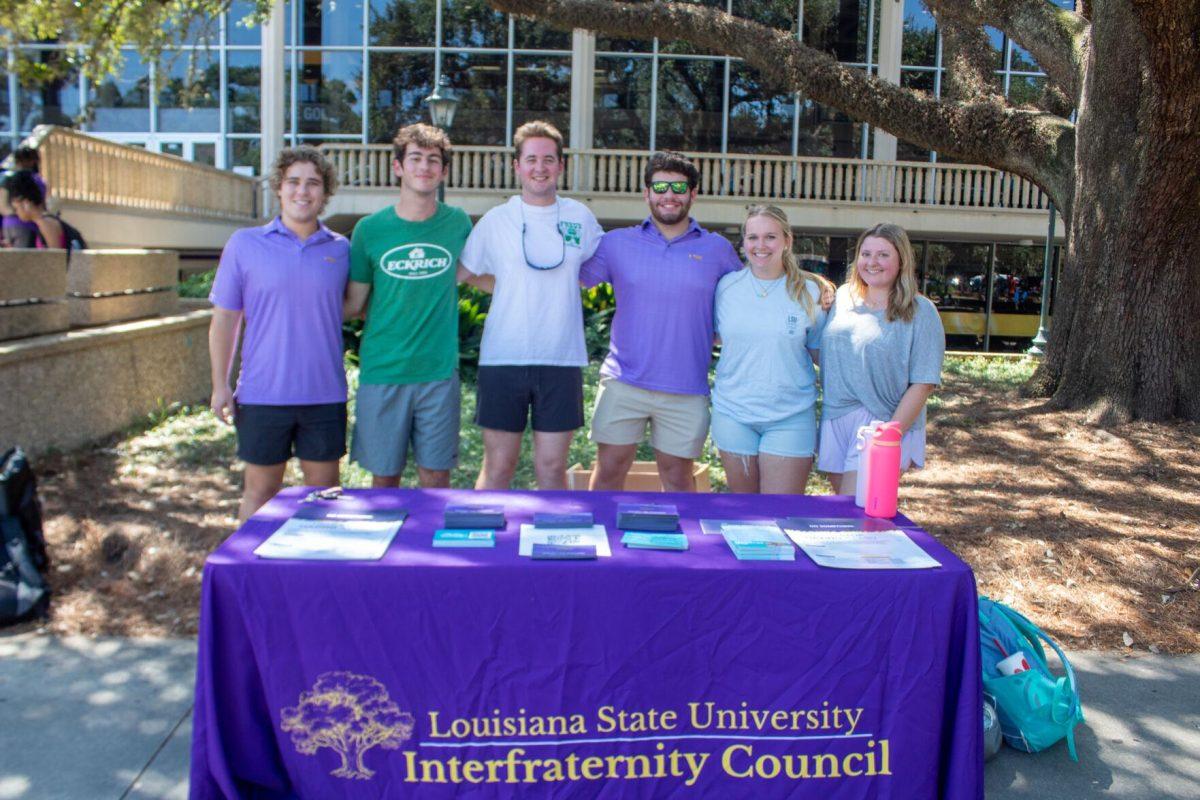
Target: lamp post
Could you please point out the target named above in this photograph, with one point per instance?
(441, 114)
(1038, 347)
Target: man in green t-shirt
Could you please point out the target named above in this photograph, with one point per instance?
(405, 259)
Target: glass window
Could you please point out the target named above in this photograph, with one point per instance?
(240, 32)
(190, 99)
(331, 23)
(205, 153)
(6, 124)
(542, 90)
(1025, 90)
(122, 101)
(400, 82)
(1021, 61)
(955, 279)
(691, 96)
(606, 44)
(244, 153)
(242, 84)
(1018, 280)
(780, 14)
(622, 112)
(997, 39)
(54, 102)
(329, 92)
(402, 23)
(838, 28)
(481, 80)
(825, 131)
(919, 47)
(760, 117)
(473, 23)
(531, 35)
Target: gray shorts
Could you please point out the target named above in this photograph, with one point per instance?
(390, 418)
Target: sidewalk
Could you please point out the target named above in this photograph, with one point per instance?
(110, 719)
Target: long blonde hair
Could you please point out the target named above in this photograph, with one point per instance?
(902, 299)
(796, 277)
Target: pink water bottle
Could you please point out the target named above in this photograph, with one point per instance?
(883, 481)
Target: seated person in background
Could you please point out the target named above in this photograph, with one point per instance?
(881, 355)
(17, 232)
(769, 318)
(28, 202)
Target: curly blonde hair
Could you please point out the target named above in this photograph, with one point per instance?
(902, 300)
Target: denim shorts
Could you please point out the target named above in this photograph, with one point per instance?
(794, 437)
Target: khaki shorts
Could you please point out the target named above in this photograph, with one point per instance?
(678, 422)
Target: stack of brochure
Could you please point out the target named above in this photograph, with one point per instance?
(650, 540)
(574, 519)
(647, 517)
(758, 543)
(468, 517)
(462, 538)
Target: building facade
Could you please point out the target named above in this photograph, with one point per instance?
(355, 70)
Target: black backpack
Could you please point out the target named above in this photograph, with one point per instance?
(23, 592)
(75, 240)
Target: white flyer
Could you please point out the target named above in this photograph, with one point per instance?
(595, 536)
(333, 535)
(862, 549)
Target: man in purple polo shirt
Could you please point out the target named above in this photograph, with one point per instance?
(287, 280)
(664, 273)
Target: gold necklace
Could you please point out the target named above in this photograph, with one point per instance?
(758, 286)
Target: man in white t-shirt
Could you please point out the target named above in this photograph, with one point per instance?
(533, 352)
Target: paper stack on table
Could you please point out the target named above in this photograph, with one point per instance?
(891, 549)
(330, 533)
(647, 517)
(467, 517)
(758, 543)
(650, 540)
(595, 537)
(462, 538)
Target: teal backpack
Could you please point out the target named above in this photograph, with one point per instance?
(1036, 707)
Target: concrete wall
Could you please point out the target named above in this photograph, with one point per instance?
(66, 390)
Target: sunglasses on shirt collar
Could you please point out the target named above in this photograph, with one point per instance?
(676, 187)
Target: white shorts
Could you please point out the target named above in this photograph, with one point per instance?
(838, 450)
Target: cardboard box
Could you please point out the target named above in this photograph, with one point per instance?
(642, 477)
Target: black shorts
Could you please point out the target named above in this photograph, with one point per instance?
(270, 435)
(506, 394)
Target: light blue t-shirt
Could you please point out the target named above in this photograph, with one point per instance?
(765, 373)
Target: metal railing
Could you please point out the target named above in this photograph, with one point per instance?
(84, 168)
(741, 176)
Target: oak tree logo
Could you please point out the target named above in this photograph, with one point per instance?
(349, 714)
(415, 261)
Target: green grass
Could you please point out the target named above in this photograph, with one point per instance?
(1005, 372)
(190, 436)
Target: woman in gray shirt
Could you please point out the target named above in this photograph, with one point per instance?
(881, 355)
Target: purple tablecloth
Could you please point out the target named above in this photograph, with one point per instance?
(440, 673)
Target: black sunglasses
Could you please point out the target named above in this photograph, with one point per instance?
(676, 187)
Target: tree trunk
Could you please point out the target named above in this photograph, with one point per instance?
(1125, 338)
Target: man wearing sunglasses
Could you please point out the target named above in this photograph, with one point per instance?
(532, 355)
(664, 274)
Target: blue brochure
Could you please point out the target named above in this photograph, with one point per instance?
(648, 540)
(460, 538)
(647, 517)
(567, 552)
(575, 519)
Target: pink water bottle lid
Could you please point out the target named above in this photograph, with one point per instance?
(889, 435)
